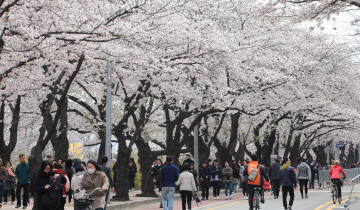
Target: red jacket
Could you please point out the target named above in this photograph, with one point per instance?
(335, 172)
(62, 172)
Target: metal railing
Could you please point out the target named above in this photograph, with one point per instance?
(355, 180)
(325, 179)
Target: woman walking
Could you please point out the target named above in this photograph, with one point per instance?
(10, 180)
(187, 186)
(95, 178)
(48, 186)
(244, 181)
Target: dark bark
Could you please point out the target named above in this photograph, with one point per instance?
(320, 154)
(102, 135)
(295, 153)
(146, 159)
(267, 147)
(61, 142)
(288, 142)
(6, 150)
(121, 173)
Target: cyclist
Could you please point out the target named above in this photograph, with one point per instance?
(336, 177)
(258, 182)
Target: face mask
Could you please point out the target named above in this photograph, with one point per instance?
(91, 171)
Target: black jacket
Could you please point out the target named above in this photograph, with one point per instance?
(132, 171)
(107, 171)
(236, 170)
(216, 171)
(203, 173)
(41, 181)
(274, 171)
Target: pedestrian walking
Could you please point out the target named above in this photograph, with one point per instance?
(59, 169)
(2, 182)
(23, 176)
(313, 174)
(244, 181)
(187, 185)
(169, 174)
(48, 186)
(274, 174)
(76, 179)
(155, 174)
(216, 175)
(204, 175)
(107, 171)
(95, 178)
(188, 160)
(288, 182)
(132, 174)
(228, 180)
(236, 174)
(257, 182)
(303, 175)
(69, 173)
(10, 180)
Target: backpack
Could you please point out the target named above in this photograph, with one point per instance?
(53, 194)
(253, 174)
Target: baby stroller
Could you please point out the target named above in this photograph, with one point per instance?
(83, 199)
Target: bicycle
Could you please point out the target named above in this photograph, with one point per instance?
(84, 201)
(257, 197)
(335, 193)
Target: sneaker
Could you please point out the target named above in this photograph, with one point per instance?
(12, 202)
(24, 207)
(226, 198)
(130, 190)
(17, 207)
(246, 198)
(215, 198)
(290, 207)
(302, 197)
(230, 197)
(5, 203)
(207, 198)
(262, 200)
(306, 196)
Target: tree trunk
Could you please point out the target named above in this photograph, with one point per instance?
(320, 154)
(121, 173)
(35, 161)
(268, 146)
(145, 160)
(61, 143)
(295, 153)
(102, 135)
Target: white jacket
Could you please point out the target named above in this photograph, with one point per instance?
(75, 181)
(186, 181)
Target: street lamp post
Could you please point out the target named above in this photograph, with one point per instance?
(108, 112)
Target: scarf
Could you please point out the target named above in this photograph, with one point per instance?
(10, 172)
(284, 166)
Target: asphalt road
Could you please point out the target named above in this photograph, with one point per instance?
(318, 200)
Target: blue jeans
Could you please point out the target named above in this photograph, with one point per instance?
(168, 197)
(228, 186)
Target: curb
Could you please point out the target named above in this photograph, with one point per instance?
(134, 204)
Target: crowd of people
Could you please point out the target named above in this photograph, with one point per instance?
(249, 175)
(58, 180)
(55, 183)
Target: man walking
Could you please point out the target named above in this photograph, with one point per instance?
(23, 176)
(258, 182)
(2, 182)
(216, 175)
(288, 182)
(303, 175)
(274, 174)
(205, 175)
(169, 174)
(107, 171)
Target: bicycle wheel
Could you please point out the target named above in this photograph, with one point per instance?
(334, 195)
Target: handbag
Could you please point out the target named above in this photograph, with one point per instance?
(53, 194)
